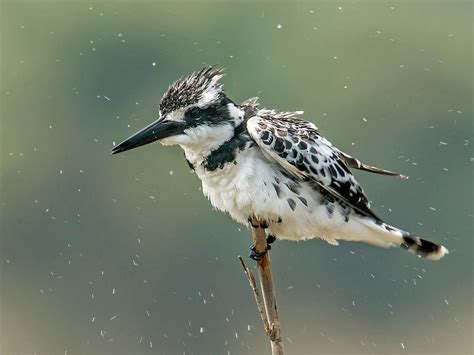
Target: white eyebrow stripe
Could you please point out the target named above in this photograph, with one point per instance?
(176, 116)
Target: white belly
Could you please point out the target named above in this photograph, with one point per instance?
(255, 186)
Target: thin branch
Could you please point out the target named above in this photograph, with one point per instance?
(256, 293)
(271, 321)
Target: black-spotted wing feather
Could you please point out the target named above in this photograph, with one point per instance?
(298, 147)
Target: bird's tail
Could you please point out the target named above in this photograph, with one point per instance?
(423, 247)
(376, 232)
(405, 240)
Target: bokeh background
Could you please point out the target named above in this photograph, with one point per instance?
(122, 254)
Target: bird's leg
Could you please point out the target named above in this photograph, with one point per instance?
(270, 239)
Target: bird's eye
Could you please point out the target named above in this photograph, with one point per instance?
(194, 113)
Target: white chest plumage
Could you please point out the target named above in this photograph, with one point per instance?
(253, 185)
(239, 186)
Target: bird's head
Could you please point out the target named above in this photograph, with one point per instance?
(194, 111)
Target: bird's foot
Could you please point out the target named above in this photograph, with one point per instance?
(258, 256)
(263, 224)
(254, 255)
(270, 240)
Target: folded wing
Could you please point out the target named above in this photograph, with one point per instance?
(298, 148)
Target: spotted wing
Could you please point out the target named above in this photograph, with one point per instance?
(298, 147)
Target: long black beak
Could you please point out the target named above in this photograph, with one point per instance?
(157, 130)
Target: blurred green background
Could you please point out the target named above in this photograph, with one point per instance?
(123, 254)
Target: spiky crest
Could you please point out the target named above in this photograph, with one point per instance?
(201, 89)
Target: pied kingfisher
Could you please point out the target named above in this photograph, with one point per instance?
(272, 165)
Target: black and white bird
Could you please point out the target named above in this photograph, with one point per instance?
(272, 165)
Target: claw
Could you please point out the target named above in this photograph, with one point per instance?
(263, 224)
(270, 240)
(253, 225)
(256, 256)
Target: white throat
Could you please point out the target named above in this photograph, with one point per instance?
(204, 139)
(196, 152)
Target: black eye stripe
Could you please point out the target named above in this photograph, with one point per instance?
(194, 112)
(213, 115)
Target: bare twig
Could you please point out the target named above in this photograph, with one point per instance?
(256, 293)
(270, 317)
